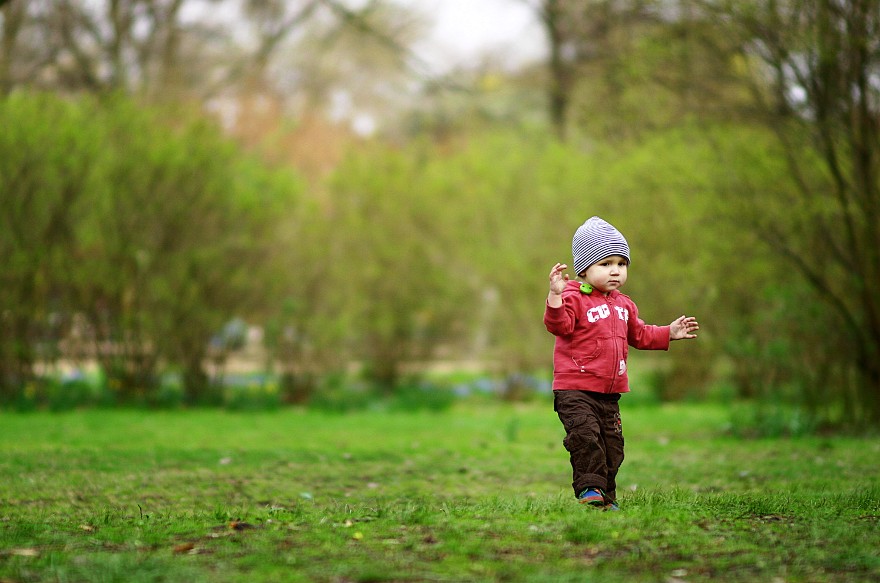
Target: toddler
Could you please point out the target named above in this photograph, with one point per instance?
(595, 325)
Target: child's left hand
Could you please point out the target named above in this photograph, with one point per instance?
(683, 328)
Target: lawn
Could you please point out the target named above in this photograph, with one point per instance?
(476, 493)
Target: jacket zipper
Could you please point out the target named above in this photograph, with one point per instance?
(615, 364)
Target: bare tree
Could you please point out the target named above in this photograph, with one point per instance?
(13, 17)
(299, 54)
(76, 45)
(815, 70)
(585, 39)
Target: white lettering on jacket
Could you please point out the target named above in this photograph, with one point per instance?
(602, 312)
(598, 313)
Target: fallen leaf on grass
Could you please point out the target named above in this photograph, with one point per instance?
(24, 553)
(87, 527)
(184, 548)
(591, 554)
(239, 525)
(190, 549)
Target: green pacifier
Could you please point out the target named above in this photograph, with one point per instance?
(586, 288)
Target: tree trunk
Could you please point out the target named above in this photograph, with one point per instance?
(13, 16)
(561, 74)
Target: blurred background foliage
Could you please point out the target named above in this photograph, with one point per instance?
(281, 197)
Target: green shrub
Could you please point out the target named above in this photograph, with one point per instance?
(760, 419)
(339, 393)
(70, 394)
(421, 396)
(256, 393)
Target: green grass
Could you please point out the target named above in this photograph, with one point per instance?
(477, 493)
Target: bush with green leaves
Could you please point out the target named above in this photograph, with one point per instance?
(137, 231)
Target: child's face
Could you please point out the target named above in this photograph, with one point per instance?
(607, 274)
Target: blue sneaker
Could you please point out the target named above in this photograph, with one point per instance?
(592, 496)
(612, 507)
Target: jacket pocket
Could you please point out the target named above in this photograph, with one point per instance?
(585, 353)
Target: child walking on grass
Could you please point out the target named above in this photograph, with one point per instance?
(594, 325)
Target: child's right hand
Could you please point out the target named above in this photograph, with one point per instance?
(558, 278)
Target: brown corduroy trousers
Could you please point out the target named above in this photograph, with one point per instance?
(593, 438)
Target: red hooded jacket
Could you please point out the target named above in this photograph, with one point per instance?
(593, 334)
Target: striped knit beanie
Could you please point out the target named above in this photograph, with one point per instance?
(594, 241)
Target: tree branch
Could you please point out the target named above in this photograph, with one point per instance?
(814, 278)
